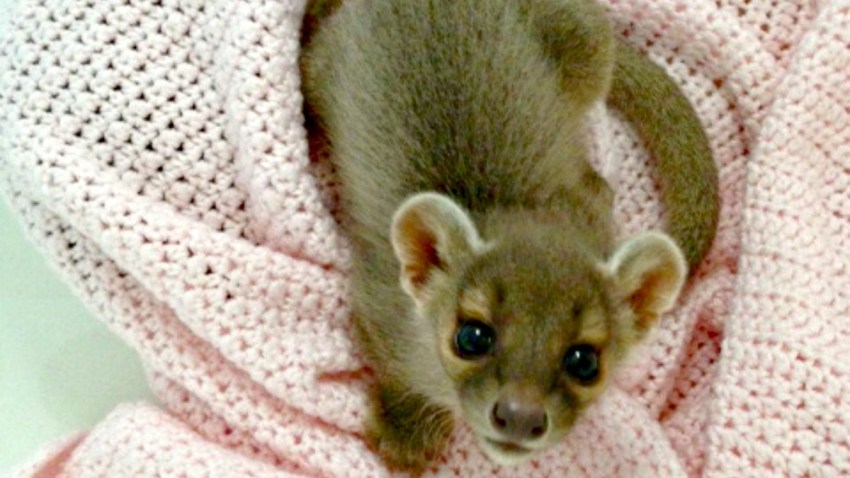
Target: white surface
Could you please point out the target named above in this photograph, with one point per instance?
(60, 369)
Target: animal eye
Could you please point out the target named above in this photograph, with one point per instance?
(474, 339)
(582, 363)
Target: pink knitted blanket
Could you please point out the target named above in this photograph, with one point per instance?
(155, 151)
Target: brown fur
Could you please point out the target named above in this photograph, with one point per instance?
(456, 127)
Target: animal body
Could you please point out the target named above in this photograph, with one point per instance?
(487, 283)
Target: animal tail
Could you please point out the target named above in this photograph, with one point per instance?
(651, 101)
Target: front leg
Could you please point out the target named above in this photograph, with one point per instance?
(406, 430)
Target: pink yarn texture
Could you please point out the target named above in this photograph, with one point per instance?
(155, 152)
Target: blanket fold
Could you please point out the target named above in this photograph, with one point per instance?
(155, 152)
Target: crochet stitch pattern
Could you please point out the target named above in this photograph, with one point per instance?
(155, 152)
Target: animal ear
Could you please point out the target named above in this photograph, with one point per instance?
(648, 271)
(431, 233)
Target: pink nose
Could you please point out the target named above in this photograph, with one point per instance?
(518, 420)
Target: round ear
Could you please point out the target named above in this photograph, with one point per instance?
(430, 232)
(648, 272)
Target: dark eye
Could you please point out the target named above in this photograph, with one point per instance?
(582, 363)
(474, 339)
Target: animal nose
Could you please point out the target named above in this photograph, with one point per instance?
(518, 420)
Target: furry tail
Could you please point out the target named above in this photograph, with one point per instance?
(671, 131)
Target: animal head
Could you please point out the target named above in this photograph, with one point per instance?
(528, 325)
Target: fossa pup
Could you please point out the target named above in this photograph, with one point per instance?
(487, 284)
